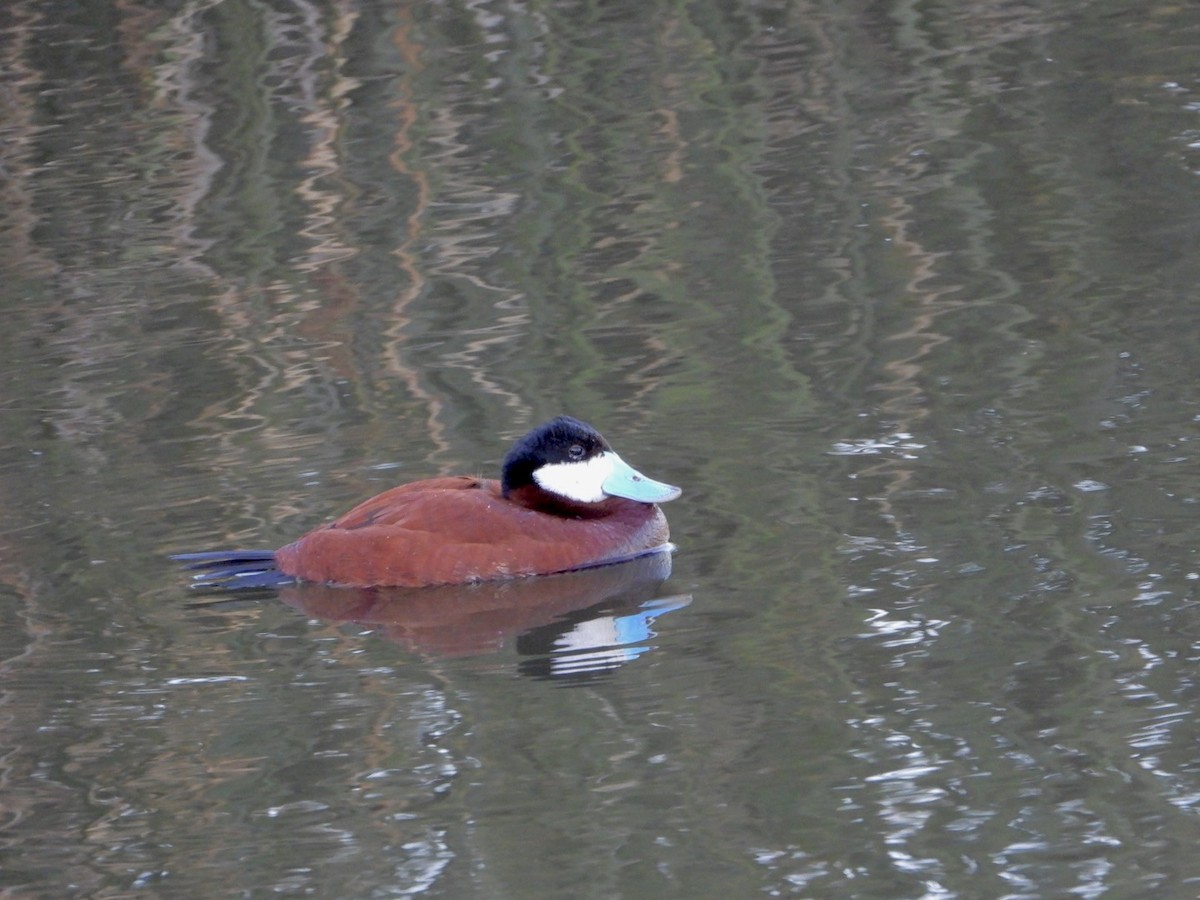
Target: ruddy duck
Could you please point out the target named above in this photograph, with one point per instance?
(565, 501)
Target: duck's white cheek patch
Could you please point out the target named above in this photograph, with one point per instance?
(582, 481)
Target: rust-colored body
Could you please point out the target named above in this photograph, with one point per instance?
(462, 529)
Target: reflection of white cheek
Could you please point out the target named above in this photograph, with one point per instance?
(578, 481)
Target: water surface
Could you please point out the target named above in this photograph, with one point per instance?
(902, 295)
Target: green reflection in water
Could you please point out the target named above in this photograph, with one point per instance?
(901, 295)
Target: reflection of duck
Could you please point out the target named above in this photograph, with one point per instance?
(565, 501)
(595, 641)
(603, 610)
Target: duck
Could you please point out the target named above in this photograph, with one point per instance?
(565, 501)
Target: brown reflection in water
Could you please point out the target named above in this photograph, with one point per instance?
(923, 276)
(324, 241)
(469, 620)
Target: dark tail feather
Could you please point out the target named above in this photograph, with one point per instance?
(233, 570)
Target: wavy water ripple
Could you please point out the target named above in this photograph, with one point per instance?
(902, 294)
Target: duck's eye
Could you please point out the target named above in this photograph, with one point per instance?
(575, 451)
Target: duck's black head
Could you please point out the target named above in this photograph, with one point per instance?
(572, 461)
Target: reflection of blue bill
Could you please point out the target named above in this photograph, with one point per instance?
(608, 641)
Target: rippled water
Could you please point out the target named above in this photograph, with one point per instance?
(903, 296)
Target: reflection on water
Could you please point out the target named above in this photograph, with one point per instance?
(591, 644)
(902, 294)
(577, 623)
